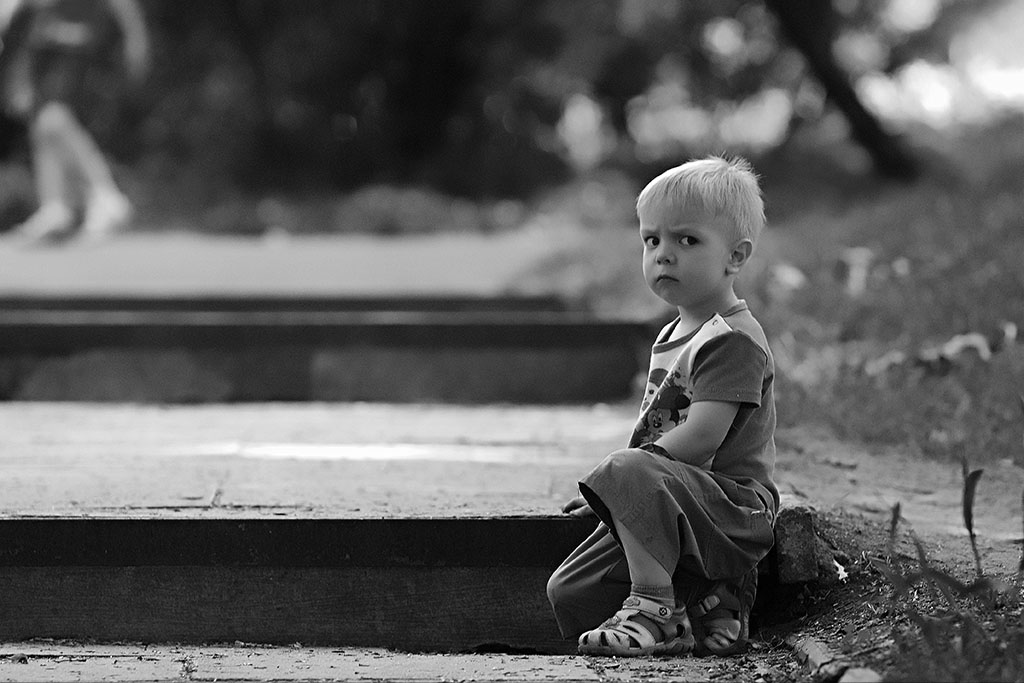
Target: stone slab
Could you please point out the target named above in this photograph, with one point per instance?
(305, 461)
(418, 609)
(182, 523)
(42, 661)
(192, 357)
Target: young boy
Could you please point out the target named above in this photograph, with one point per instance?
(687, 509)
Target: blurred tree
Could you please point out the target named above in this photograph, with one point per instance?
(325, 94)
(813, 26)
(467, 96)
(373, 83)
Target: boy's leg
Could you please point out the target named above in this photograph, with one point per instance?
(722, 615)
(594, 583)
(644, 568)
(688, 521)
(649, 622)
(590, 584)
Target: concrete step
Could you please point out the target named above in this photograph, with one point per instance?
(304, 353)
(440, 585)
(412, 526)
(275, 321)
(408, 584)
(429, 528)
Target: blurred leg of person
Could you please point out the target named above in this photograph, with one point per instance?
(63, 153)
(55, 216)
(64, 140)
(72, 73)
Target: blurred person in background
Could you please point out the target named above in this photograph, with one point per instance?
(62, 66)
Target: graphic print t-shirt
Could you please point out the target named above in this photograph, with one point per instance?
(725, 359)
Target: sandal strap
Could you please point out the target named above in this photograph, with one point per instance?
(629, 629)
(736, 595)
(652, 609)
(729, 619)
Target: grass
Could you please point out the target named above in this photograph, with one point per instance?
(947, 253)
(957, 631)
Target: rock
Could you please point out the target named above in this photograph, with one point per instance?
(860, 675)
(797, 545)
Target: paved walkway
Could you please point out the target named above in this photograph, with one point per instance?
(303, 460)
(30, 662)
(381, 460)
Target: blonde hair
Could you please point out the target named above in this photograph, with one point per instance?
(719, 186)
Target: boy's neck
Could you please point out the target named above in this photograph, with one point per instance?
(691, 319)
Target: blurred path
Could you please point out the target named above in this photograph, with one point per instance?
(184, 263)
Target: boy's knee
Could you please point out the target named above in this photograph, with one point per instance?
(556, 588)
(563, 606)
(627, 460)
(564, 590)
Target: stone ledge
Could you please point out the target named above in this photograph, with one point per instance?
(441, 584)
(408, 356)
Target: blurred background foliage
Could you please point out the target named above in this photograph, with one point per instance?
(491, 100)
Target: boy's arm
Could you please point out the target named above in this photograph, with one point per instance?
(696, 440)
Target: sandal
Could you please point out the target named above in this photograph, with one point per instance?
(722, 617)
(622, 636)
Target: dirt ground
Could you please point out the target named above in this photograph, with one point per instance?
(861, 620)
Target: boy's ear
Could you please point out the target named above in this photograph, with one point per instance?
(740, 254)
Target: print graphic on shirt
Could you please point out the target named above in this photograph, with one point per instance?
(665, 405)
(670, 381)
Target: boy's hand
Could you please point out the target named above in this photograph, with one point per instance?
(578, 507)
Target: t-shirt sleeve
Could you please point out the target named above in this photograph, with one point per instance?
(729, 368)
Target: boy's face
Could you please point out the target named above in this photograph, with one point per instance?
(690, 259)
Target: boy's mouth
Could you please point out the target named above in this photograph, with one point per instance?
(665, 277)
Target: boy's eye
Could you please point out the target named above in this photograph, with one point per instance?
(688, 240)
(651, 241)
